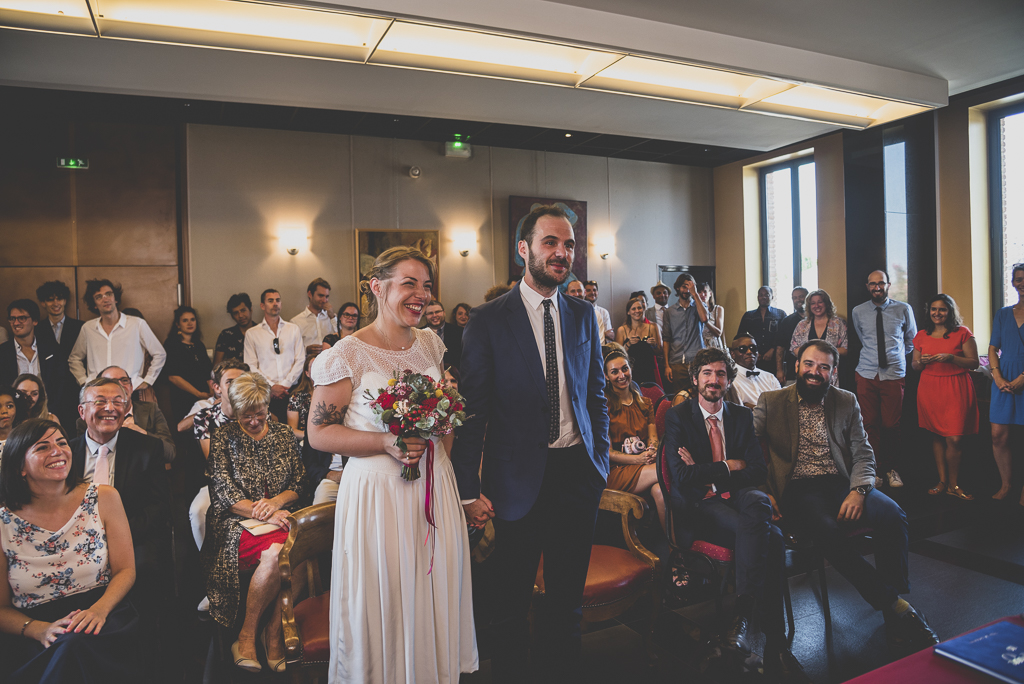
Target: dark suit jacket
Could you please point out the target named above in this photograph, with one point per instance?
(140, 479)
(506, 397)
(453, 341)
(68, 335)
(777, 420)
(149, 417)
(49, 366)
(685, 427)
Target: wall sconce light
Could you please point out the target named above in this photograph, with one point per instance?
(293, 239)
(605, 246)
(464, 242)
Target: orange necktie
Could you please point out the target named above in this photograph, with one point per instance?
(717, 448)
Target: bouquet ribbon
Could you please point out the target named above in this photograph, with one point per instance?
(428, 504)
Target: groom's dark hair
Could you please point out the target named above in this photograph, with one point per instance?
(530, 222)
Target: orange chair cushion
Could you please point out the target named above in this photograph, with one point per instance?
(613, 574)
(712, 551)
(312, 620)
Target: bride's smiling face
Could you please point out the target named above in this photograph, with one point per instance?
(403, 297)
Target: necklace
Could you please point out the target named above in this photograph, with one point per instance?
(387, 340)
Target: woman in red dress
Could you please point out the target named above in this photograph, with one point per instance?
(945, 352)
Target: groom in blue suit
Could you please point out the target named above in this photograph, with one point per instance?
(533, 380)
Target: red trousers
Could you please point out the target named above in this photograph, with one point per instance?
(881, 406)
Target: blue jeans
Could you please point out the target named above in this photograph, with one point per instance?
(811, 505)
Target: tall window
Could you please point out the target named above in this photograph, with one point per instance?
(789, 226)
(1006, 136)
(894, 170)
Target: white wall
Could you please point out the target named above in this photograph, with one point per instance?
(245, 185)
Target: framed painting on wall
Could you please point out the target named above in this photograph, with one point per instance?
(370, 244)
(519, 207)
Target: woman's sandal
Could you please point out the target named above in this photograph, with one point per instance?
(937, 489)
(959, 493)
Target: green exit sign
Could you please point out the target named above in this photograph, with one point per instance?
(72, 163)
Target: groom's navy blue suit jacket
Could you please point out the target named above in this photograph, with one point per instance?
(506, 398)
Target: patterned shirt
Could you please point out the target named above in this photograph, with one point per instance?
(44, 566)
(299, 402)
(204, 422)
(814, 455)
(231, 342)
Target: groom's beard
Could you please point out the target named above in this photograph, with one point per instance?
(811, 393)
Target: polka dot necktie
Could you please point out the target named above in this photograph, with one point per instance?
(551, 374)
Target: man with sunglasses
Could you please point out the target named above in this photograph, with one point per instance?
(274, 348)
(750, 381)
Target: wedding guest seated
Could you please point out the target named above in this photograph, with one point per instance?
(32, 390)
(750, 381)
(132, 463)
(298, 401)
(631, 433)
(12, 412)
(64, 611)
(145, 417)
(348, 319)
(255, 474)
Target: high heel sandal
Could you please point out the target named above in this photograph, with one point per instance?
(959, 493)
(937, 489)
(274, 665)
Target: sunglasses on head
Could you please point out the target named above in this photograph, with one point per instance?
(744, 348)
(277, 346)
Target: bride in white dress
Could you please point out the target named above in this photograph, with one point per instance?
(393, 618)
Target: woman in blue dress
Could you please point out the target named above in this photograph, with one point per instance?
(1006, 359)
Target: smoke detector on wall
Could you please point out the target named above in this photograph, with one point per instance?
(415, 172)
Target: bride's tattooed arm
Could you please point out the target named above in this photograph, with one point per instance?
(327, 414)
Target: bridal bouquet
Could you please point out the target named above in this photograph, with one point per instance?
(416, 405)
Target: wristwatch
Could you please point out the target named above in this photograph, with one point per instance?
(863, 489)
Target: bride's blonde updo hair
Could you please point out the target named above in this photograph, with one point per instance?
(384, 270)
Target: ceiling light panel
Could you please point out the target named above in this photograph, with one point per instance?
(835, 106)
(243, 26)
(57, 16)
(439, 48)
(658, 78)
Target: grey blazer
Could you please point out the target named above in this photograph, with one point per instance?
(776, 423)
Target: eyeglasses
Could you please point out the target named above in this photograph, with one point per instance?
(348, 315)
(18, 319)
(744, 348)
(277, 346)
(124, 381)
(117, 403)
(249, 417)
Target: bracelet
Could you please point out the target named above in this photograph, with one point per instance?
(27, 623)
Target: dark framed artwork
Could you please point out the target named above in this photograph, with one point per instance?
(370, 244)
(519, 207)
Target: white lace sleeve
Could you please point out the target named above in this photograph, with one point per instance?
(436, 346)
(332, 365)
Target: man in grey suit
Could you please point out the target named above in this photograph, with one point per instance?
(821, 473)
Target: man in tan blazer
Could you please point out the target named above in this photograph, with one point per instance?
(821, 473)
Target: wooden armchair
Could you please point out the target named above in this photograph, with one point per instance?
(617, 578)
(306, 622)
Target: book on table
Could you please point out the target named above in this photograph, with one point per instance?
(996, 650)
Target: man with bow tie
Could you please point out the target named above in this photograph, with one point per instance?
(750, 381)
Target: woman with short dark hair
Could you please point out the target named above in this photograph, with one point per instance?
(64, 612)
(944, 352)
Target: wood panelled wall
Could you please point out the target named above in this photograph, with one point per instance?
(118, 219)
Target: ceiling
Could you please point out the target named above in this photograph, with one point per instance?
(917, 50)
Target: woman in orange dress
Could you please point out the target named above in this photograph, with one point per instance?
(631, 414)
(945, 351)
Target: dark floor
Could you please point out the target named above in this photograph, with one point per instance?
(966, 569)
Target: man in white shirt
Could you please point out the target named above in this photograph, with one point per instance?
(750, 381)
(317, 320)
(656, 314)
(274, 348)
(604, 319)
(114, 339)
